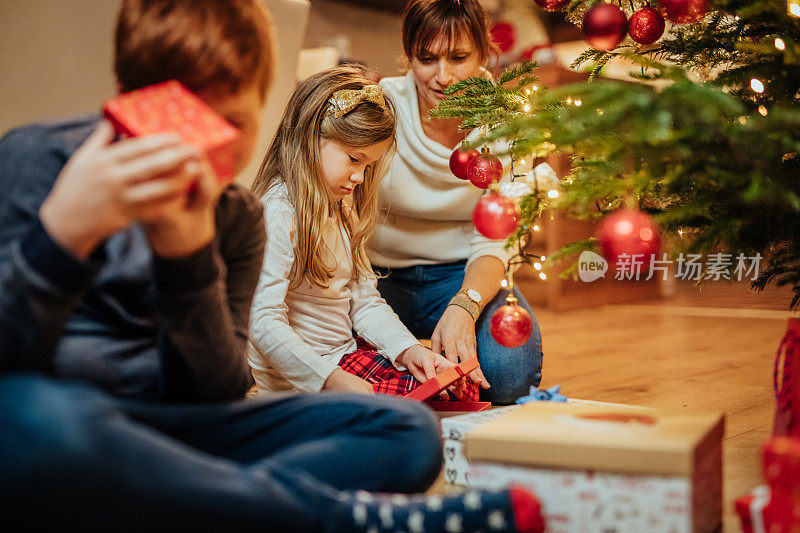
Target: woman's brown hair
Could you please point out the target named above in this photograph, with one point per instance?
(205, 44)
(293, 158)
(425, 20)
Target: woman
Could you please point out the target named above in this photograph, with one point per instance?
(442, 277)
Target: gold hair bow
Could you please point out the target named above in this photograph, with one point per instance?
(345, 100)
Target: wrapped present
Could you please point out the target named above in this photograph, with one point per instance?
(170, 107)
(454, 429)
(786, 379)
(443, 380)
(775, 507)
(600, 468)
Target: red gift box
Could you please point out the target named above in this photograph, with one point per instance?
(443, 380)
(170, 107)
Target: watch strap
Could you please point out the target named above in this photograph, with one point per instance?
(461, 300)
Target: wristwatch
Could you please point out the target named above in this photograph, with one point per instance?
(470, 300)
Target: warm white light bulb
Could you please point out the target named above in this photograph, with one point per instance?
(569, 100)
(543, 276)
(578, 103)
(537, 266)
(526, 108)
(522, 161)
(794, 8)
(543, 258)
(762, 110)
(552, 193)
(504, 283)
(527, 91)
(535, 87)
(756, 85)
(536, 227)
(779, 44)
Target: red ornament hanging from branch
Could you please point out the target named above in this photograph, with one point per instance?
(484, 169)
(604, 26)
(552, 5)
(495, 216)
(459, 162)
(683, 11)
(646, 26)
(511, 324)
(503, 35)
(629, 232)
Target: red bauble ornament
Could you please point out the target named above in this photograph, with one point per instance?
(646, 26)
(503, 35)
(604, 26)
(628, 232)
(511, 325)
(495, 216)
(459, 162)
(484, 169)
(552, 5)
(683, 11)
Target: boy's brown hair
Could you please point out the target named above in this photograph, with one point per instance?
(205, 44)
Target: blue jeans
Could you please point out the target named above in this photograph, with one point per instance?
(75, 458)
(420, 294)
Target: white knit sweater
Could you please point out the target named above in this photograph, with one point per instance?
(426, 212)
(299, 335)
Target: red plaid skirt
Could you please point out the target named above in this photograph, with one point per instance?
(376, 369)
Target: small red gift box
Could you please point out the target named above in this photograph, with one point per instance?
(170, 107)
(444, 380)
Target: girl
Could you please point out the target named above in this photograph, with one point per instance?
(318, 184)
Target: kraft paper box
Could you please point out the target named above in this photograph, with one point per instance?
(600, 468)
(456, 466)
(170, 107)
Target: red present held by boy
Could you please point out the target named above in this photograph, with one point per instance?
(169, 107)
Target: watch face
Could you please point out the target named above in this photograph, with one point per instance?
(474, 295)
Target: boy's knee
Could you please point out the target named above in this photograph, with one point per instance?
(419, 445)
(49, 427)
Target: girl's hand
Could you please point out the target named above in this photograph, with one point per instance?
(455, 335)
(105, 187)
(343, 381)
(424, 364)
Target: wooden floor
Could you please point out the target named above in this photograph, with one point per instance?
(709, 349)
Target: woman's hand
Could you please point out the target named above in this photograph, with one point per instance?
(343, 381)
(455, 335)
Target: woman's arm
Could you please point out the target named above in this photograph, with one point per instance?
(455, 332)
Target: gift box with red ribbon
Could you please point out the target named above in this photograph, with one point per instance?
(170, 107)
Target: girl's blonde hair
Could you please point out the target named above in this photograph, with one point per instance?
(293, 158)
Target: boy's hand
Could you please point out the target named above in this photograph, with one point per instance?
(191, 225)
(343, 381)
(104, 188)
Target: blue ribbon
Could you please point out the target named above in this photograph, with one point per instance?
(547, 395)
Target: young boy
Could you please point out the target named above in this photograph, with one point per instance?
(124, 311)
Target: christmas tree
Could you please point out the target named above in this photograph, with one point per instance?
(707, 141)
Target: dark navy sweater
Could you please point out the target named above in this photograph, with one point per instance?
(126, 321)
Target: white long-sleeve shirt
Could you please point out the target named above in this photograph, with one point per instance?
(426, 212)
(299, 335)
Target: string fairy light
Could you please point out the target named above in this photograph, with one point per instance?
(757, 85)
(552, 193)
(779, 44)
(793, 7)
(542, 276)
(578, 103)
(762, 110)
